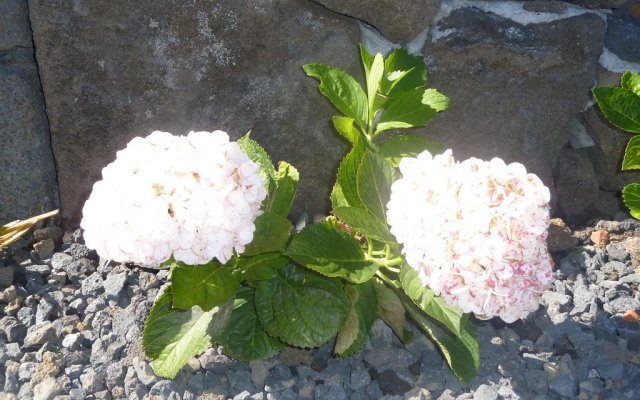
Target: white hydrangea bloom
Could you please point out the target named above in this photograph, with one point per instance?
(475, 231)
(194, 197)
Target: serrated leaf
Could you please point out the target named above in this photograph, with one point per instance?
(263, 266)
(348, 172)
(170, 336)
(403, 72)
(460, 351)
(390, 308)
(244, 338)
(631, 197)
(406, 111)
(374, 179)
(337, 197)
(620, 106)
(435, 100)
(271, 235)
(342, 90)
(451, 317)
(364, 222)
(344, 126)
(281, 199)
(631, 158)
(373, 81)
(258, 154)
(631, 81)
(397, 147)
(301, 307)
(362, 314)
(331, 252)
(206, 286)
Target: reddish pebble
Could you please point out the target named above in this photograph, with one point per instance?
(631, 316)
(600, 237)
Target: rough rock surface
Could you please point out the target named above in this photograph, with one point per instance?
(516, 90)
(28, 176)
(397, 21)
(57, 339)
(235, 66)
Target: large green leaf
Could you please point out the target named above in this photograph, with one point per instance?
(631, 81)
(631, 158)
(364, 222)
(342, 90)
(397, 147)
(259, 155)
(271, 235)
(620, 106)
(286, 179)
(331, 252)
(406, 111)
(206, 286)
(451, 317)
(263, 266)
(344, 126)
(301, 307)
(403, 72)
(435, 100)
(461, 351)
(362, 314)
(374, 179)
(347, 174)
(337, 197)
(170, 337)
(373, 82)
(367, 59)
(631, 197)
(390, 308)
(244, 337)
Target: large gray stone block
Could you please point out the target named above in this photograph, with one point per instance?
(118, 69)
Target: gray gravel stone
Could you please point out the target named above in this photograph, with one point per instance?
(564, 385)
(47, 389)
(92, 380)
(40, 334)
(92, 285)
(144, 372)
(485, 392)
(114, 284)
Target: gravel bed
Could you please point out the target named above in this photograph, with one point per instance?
(70, 328)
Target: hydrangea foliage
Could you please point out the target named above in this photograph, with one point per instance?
(475, 231)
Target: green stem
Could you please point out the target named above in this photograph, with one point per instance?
(383, 262)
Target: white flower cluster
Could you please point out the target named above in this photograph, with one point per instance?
(194, 197)
(475, 231)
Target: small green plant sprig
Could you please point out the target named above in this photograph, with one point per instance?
(621, 106)
(332, 279)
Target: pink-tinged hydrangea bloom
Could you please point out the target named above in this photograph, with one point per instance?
(194, 197)
(475, 231)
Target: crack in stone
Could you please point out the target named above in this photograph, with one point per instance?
(353, 17)
(45, 110)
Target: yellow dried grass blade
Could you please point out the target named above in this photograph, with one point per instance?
(12, 231)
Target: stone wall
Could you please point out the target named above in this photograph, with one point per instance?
(519, 75)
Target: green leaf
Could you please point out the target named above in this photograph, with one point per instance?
(259, 155)
(170, 337)
(263, 266)
(367, 59)
(342, 90)
(631, 197)
(331, 252)
(347, 174)
(364, 222)
(337, 197)
(271, 235)
(362, 314)
(461, 351)
(374, 179)
(631, 81)
(206, 286)
(631, 158)
(435, 100)
(403, 72)
(244, 338)
(406, 111)
(390, 308)
(373, 81)
(300, 307)
(286, 180)
(409, 145)
(451, 317)
(344, 126)
(620, 106)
